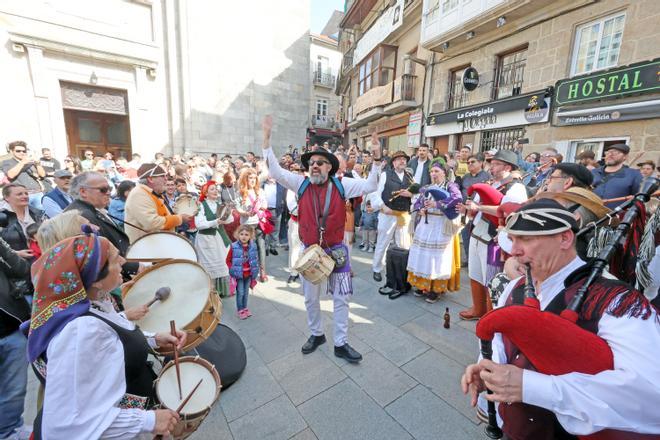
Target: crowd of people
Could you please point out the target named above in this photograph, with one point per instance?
(439, 211)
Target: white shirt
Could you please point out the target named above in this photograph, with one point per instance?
(419, 172)
(626, 398)
(377, 202)
(86, 381)
(516, 194)
(292, 181)
(51, 208)
(292, 202)
(270, 192)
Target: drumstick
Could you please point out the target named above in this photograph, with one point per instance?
(185, 401)
(176, 359)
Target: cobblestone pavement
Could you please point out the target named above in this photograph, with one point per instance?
(407, 386)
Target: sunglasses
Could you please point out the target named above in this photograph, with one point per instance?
(318, 162)
(102, 189)
(471, 161)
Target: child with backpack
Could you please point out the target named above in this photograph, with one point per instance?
(243, 263)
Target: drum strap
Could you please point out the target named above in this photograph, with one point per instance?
(326, 210)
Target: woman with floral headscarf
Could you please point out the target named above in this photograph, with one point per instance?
(98, 382)
(212, 242)
(434, 261)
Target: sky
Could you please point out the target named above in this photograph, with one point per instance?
(321, 12)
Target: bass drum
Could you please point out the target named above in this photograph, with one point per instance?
(224, 349)
(160, 246)
(192, 304)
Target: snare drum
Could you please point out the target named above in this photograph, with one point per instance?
(314, 264)
(192, 369)
(186, 204)
(159, 246)
(192, 304)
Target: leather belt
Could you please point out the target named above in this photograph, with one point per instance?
(476, 237)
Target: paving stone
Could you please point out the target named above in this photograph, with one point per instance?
(427, 417)
(345, 412)
(396, 312)
(256, 387)
(276, 420)
(272, 336)
(442, 375)
(214, 425)
(390, 341)
(304, 376)
(307, 434)
(456, 342)
(380, 378)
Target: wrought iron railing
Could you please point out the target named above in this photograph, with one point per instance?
(322, 121)
(508, 79)
(325, 79)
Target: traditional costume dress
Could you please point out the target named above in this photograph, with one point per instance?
(98, 383)
(624, 398)
(434, 261)
(212, 242)
(339, 283)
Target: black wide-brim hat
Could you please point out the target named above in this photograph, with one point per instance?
(334, 162)
(506, 156)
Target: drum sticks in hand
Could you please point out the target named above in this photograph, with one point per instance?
(176, 359)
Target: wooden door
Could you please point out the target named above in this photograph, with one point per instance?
(99, 132)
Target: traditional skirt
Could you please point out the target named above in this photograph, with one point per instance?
(434, 263)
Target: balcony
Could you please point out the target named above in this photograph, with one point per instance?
(323, 121)
(324, 79)
(403, 94)
(347, 62)
(508, 79)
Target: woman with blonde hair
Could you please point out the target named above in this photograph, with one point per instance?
(64, 225)
(253, 208)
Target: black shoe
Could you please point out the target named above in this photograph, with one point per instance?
(378, 277)
(267, 251)
(292, 279)
(312, 343)
(274, 251)
(386, 290)
(396, 293)
(347, 352)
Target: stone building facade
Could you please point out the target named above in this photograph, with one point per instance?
(381, 84)
(522, 52)
(324, 116)
(153, 75)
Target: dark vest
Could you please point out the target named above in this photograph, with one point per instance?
(310, 216)
(392, 183)
(523, 421)
(57, 196)
(138, 373)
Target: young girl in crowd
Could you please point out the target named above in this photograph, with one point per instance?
(243, 263)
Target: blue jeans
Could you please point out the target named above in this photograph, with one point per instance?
(370, 220)
(242, 290)
(13, 382)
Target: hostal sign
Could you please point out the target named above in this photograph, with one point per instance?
(635, 79)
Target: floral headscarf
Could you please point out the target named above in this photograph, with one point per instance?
(205, 189)
(61, 278)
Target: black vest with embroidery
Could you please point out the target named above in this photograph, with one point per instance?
(529, 422)
(392, 184)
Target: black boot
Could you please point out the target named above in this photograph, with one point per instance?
(273, 251)
(347, 352)
(312, 343)
(378, 277)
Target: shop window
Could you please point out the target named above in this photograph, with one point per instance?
(458, 96)
(509, 74)
(377, 69)
(501, 139)
(597, 44)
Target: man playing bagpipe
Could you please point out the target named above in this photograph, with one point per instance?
(535, 380)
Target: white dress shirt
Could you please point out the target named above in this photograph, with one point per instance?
(626, 398)
(86, 382)
(419, 172)
(377, 202)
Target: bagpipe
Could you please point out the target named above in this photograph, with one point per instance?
(489, 196)
(439, 195)
(555, 344)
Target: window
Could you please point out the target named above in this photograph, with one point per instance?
(509, 74)
(321, 107)
(458, 96)
(322, 67)
(501, 139)
(377, 69)
(597, 44)
(449, 5)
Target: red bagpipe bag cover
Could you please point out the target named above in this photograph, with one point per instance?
(488, 196)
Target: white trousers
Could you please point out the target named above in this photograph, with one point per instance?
(295, 245)
(478, 261)
(388, 230)
(315, 318)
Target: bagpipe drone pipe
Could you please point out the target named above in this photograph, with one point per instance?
(555, 344)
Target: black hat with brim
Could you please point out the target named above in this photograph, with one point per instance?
(579, 173)
(399, 154)
(334, 162)
(506, 156)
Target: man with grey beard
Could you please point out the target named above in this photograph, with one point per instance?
(322, 216)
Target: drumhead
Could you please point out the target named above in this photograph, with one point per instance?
(186, 204)
(191, 372)
(159, 246)
(189, 284)
(308, 254)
